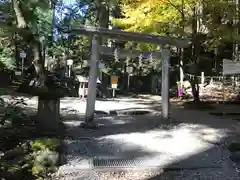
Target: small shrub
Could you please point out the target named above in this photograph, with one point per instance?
(13, 114)
(24, 159)
(45, 144)
(46, 156)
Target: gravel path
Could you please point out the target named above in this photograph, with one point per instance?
(203, 174)
(192, 137)
(130, 136)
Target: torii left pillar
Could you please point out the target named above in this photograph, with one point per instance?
(92, 85)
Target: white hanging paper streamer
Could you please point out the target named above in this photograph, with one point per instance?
(140, 58)
(150, 58)
(128, 61)
(116, 57)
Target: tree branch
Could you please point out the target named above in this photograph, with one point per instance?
(173, 5)
(21, 23)
(38, 61)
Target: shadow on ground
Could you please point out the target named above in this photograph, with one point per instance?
(90, 144)
(111, 127)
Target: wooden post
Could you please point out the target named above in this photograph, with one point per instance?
(22, 56)
(84, 88)
(202, 78)
(114, 82)
(202, 83)
(113, 93)
(128, 81)
(223, 82)
(165, 83)
(22, 67)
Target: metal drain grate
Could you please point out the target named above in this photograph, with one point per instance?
(149, 163)
(116, 163)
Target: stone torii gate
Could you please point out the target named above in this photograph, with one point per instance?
(163, 41)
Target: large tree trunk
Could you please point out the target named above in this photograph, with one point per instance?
(181, 50)
(38, 62)
(31, 38)
(217, 59)
(195, 89)
(103, 22)
(48, 109)
(195, 55)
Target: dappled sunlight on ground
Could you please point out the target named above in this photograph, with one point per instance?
(175, 144)
(80, 106)
(194, 140)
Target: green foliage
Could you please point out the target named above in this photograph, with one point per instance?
(37, 15)
(156, 17)
(7, 53)
(45, 144)
(13, 114)
(45, 156)
(44, 23)
(45, 163)
(162, 17)
(9, 62)
(22, 158)
(16, 127)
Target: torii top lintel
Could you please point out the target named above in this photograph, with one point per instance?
(129, 36)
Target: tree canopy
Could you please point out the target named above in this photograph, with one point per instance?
(211, 26)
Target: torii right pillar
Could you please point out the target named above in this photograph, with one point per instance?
(165, 83)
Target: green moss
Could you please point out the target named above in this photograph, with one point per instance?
(14, 168)
(26, 159)
(46, 158)
(39, 161)
(45, 144)
(37, 170)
